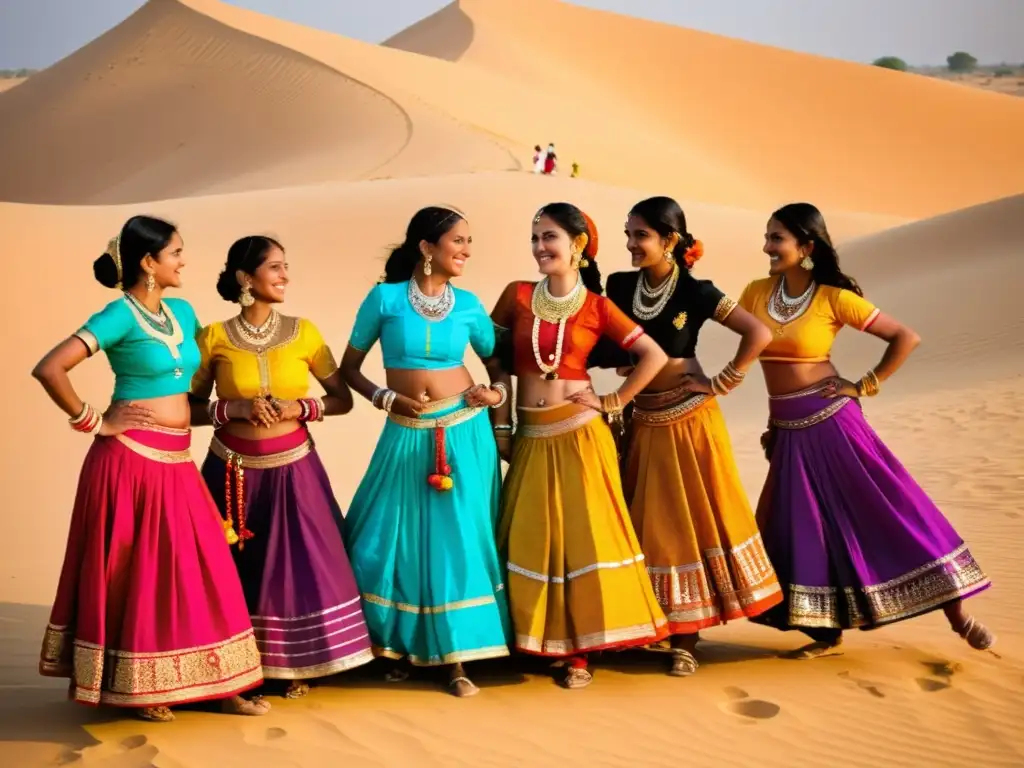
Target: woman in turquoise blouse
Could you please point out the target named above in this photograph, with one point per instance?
(421, 527)
(149, 612)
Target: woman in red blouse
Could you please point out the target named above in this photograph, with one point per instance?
(577, 581)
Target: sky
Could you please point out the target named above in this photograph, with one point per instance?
(36, 33)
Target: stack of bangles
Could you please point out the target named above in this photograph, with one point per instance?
(869, 385)
(502, 391)
(383, 399)
(726, 381)
(311, 409)
(611, 404)
(88, 421)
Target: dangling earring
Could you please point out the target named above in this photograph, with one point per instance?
(670, 257)
(574, 260)
(427, 270)
(807, 263)
(150, 282)
(245, 298)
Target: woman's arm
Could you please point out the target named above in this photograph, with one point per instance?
(902, 341)
(754, 337)
(651, 359)
(338, 400)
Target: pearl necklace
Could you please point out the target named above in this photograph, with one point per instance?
(661, 295)
(784, 309)
(431, 308)
(552, 309)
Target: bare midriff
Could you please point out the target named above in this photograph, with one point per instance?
(533, 390)
(436, 384)
(171, 411)
(669, 376)
(785, 378)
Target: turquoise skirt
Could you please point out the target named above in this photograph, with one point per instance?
(425, 560)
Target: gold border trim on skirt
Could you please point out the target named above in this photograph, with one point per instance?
(817, 417)
(441, 422)
(542, 427)
(267, 461)
(156, 454)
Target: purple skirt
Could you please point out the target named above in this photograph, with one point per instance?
(854, 539)
(298, 583)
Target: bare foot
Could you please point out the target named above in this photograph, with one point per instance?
(253, 707)
(684, 663)
(396, 675)
(578, 677)
(156, 714)
(462, 687)
(297, 689)
(813, 650)
(976, 634)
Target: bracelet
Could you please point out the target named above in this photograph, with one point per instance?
(383, 399)
(869, 385)
(502, 390)
(312, 409)
(88, 421)
(726, 381)
(611, 403)
(218, 413)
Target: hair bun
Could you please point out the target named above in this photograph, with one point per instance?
(693, 253)
(591, 250)
(105, 271)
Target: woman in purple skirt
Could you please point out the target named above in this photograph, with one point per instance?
(853, 538)
(280, 514)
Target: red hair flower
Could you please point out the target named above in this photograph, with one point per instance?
(693, 253)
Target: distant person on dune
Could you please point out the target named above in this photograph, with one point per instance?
(421, 526)
(265, 475)
(149, 612)
(550, 161)
(855, 541)
(575, 170)
(538, 159)
(699, 537)
(576, 576)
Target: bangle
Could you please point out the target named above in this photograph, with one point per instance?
(502, 390)
(88, 421)
(726, 381)
(869, 385)
(218, 413)
(312, 409)
(502, 427)
(387, 400)
(611, 403)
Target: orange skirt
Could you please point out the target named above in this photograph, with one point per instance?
(703, 550)
(576, 577)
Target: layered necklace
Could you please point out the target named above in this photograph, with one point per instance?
(431, 308)
(659, 296)
(258, 335)
(558, 310)
(784, 309)
(163, 327)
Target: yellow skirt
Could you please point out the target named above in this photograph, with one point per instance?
(576, 578)
(704, 553)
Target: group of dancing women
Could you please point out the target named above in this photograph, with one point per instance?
(621, 522)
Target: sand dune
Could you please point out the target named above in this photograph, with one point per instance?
(256, 125)
(7, 83)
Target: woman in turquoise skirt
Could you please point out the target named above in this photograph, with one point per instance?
(421, 527)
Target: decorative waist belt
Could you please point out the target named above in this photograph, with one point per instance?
(667, 407)
(810, 420)
(554, 420)
(235, 465)
(441, 478)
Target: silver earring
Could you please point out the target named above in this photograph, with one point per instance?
(807, 263)
(150, 283)
(670, 257)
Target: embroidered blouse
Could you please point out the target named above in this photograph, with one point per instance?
(147, 362)
(677, 326)
(242, 370)
(807, 337)
(410, 341)
(598, 318)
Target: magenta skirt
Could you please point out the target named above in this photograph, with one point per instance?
(149, 610)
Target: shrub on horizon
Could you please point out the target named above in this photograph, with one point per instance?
(961, 62)
(891, 62)
(1003, 72)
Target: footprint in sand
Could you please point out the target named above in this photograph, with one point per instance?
(741, 705)
(864, 685)
(941, 676)
(276, 733)
(130, 751)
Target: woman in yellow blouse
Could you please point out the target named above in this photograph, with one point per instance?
(280, 514)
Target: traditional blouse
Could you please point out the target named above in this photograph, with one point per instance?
(677, 326)
(807, 337)
(598, 318)
(147, 362)
(410, 341)
(242, 370)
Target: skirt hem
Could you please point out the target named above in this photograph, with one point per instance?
(315, 671)
(456, 657)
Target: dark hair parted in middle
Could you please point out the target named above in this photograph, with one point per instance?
(806, 223)
(575, 222)
(428, 224)
(246, 254)
(665, 216)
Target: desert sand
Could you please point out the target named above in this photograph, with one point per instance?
(231, 123)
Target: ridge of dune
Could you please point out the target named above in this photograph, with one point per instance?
(7, 83)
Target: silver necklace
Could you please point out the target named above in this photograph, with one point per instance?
(661, 295)
(431, 308)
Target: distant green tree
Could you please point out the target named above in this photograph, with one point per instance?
(891, 62)
(1003, 72)
(961, 62)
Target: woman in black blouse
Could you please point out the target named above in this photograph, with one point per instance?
(698, 534)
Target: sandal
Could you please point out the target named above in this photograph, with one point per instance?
(156, 714)
(684, 663)
(297, 689)
(578, 677)
(466, 690)
(254, 707)
(976, 634)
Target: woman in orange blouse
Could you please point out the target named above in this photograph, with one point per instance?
(577, 581)
(853, 538)
(280, 514)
